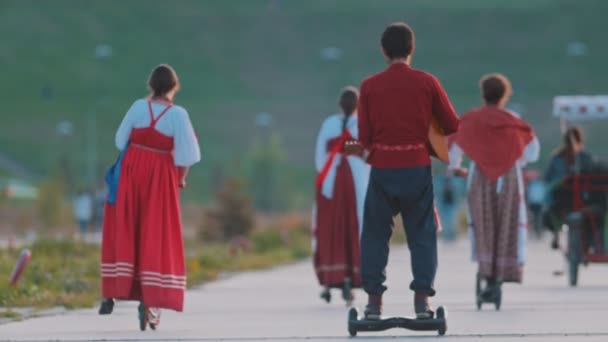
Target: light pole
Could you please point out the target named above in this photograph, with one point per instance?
(264, 165)
(92, 146)
(102, 52)
(64, 131)
(264, 121)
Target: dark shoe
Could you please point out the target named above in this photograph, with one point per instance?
(422, 306)
(107, 306)
(326, 295)
(347, 292)
(492, 290)
(555, 241)
(373, 310)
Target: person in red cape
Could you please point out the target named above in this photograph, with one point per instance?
(340, 192)
(499, 144)
(142, 248)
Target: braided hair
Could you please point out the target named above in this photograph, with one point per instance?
(348, 103)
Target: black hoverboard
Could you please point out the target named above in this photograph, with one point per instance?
(357, 323)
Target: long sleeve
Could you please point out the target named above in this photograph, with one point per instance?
(321, 146)
(456, 154)
(443, 110)
(364, 124)
(124, 130)
(532, 151)
(554, 172)
(186, 149)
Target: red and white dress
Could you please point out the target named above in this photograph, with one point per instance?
(142, 249)
(338, 211)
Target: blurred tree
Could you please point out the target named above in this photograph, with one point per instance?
(265, 176)
(232, 216)
(53, 210)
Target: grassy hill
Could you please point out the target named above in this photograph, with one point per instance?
(241, 57)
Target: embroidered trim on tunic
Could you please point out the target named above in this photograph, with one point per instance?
(337, 267)
(408, 147)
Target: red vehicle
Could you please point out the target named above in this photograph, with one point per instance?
(586, 242)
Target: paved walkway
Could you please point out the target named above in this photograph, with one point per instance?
(282, 304)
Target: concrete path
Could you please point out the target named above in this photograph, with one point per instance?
(282, 304)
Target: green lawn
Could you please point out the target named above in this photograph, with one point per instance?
(238, 58)
(66, 273)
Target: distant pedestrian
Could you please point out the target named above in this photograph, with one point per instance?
(83, 211)
(101, 194)
(448, 208)
(536, 198)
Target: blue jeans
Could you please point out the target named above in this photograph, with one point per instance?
(448, 213)
(409, 192)
(83, 225)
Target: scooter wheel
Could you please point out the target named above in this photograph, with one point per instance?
(353, 315)
(143, 317)
(443, 315)
(498, 301)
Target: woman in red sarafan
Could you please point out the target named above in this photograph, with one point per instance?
(142, 249)
(340, 193)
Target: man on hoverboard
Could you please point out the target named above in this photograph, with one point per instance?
(396, 107)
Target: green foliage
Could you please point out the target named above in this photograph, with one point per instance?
(267, 158)
(60, 273)
(10, 315)
(265, 240)
(53, 210)
(232, 214)
(232, 70)
(66, 273)
(299, 241)
(270, 247)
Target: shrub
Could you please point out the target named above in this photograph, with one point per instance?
(265, 176)
(53, 210)
(233, 213)
(266, 240)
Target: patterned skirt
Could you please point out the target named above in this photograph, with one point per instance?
(495, 221)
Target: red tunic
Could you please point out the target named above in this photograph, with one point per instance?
(395, 111)
(337, 229)
(142, 249)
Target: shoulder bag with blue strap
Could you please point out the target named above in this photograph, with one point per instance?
(112, 177)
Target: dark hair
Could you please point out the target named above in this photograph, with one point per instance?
(162, 80)
(398, 41)
(348, 103)
(494, 87)
(566, 151)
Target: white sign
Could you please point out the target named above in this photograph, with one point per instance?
(580, 108)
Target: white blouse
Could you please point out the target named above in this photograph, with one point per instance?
(175, 123)
(332, 128)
